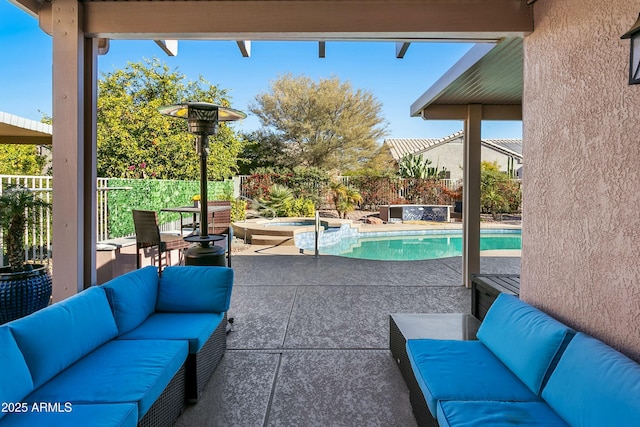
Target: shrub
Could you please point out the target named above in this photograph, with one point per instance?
(498, 193)
(300, 206)
(283, 202)
(238, 210)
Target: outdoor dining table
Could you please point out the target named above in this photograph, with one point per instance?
(195, 210)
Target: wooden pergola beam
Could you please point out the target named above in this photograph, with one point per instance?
(303, 19)
(401, 49)
(245, 47)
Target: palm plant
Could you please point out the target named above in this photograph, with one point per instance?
(15, 202)
(345, 198)
(278, 199)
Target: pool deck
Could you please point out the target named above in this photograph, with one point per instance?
(309, 345)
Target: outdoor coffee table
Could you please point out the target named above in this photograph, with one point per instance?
(403, 327)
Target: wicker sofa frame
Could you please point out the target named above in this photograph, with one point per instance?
(201, 365)
(169, 405)
(397, 345)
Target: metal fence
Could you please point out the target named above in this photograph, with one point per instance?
(387, 190)
(38, 237)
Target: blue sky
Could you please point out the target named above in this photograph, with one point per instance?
(25, 72)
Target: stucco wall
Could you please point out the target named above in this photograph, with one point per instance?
(450, 156)
(581, 227)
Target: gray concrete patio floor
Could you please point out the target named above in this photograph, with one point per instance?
(309, 345)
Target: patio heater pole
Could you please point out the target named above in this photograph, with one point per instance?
(202, 146)
(202, 120)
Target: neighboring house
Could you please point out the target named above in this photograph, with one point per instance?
(447, 152)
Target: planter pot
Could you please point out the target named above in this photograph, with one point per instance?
(23, 293)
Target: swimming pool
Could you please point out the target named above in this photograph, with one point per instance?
(309, 223)
(289, 224)
(429, 244)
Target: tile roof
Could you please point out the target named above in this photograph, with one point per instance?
(401, 146)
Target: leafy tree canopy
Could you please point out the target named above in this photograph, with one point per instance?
(18, 159)
(325, 124)
(263, 150)
(136, 141)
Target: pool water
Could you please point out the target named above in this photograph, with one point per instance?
(289, 223)
(418, 247)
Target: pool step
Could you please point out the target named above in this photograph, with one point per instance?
(264, 239)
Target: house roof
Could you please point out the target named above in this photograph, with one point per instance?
(18, 130)
(401, 146)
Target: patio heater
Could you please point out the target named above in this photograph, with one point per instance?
(202, 120)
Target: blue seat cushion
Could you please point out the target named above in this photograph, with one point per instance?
(497, 414)
(524, 338)
(194, 327)
(15, 379)
(193, 289)
(595, 385)
(133, 297)
(58, 335)
(69, 415)
(118, 372)
(462, 370)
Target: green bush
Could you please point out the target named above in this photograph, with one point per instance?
(498, 193)
(300, 206)
(282, 200)
(238, 210)
(153, 194)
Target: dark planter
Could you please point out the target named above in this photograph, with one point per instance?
(23, 293)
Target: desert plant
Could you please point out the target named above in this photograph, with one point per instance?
(415, 166)
(277, 199)
(345, 198)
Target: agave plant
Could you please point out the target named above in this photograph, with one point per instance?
(278, 199)
(15, 203)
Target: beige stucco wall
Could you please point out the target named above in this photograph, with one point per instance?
(581, 220)
(451, 154)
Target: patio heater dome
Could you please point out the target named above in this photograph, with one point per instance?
(202, 120)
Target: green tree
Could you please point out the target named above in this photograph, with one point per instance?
(498, 192)
(21, 160)
(136, 141)
(263, 149)
(326, 124)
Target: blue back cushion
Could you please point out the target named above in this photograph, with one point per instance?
(15, 379)
(594, 385)
(133, 297)
(524, 338)
(195, 289)
(55, 337)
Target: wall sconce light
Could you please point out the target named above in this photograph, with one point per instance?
(634, 55)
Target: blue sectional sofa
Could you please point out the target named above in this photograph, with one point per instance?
(526, 368)
(129, 352)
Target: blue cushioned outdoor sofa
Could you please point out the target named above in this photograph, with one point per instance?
(129, 352)
(526, 368)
